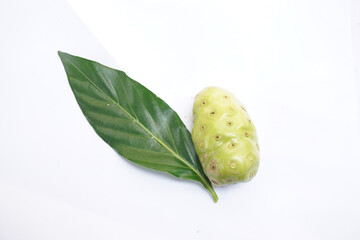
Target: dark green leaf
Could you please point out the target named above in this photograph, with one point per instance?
(132, 120)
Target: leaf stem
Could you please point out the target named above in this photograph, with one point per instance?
(212, 192)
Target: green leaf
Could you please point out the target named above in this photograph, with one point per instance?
(133, 121)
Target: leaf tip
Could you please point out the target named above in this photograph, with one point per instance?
(61, 54)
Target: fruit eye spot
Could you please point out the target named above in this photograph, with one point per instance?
(217, 137)
(201, 145)
(229, 124)
(226, 96)
(202, 127)
(213, 166)
(249, 121)
(232, 164)
(243, 108)
(257, 147)
(212, 113)
(251, 157)
(203, 103)
(246, 134)
(252, 173)
(231, 145)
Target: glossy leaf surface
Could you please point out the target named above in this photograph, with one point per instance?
(132, 120)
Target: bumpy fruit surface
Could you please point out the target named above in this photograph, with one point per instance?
(224, 137)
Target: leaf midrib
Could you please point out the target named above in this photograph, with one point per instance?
(141, 125)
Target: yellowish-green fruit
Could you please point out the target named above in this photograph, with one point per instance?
(224, 137)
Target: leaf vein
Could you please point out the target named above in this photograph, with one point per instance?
(147, 130)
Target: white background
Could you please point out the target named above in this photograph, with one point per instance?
(294, 64)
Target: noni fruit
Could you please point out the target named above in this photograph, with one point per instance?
(224, 137)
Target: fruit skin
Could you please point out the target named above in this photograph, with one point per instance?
(224, 137)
